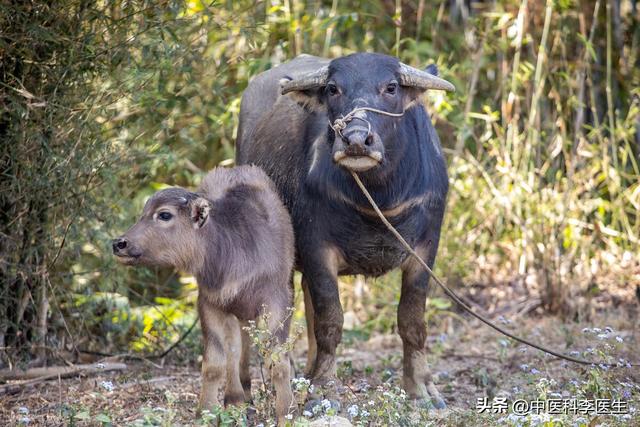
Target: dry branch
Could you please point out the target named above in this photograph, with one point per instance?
(37, 375)
(150, 382)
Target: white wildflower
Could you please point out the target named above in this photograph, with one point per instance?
(107, 385)
(301, 383)
(352, 411)
(579, 422)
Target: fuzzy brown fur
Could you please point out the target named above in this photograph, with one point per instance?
(235, 236)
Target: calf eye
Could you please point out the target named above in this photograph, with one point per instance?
(392, 87)
(332, 89)
(165, 216)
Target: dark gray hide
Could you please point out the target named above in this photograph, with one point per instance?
(400, 161)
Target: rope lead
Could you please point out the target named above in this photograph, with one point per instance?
(456, 298)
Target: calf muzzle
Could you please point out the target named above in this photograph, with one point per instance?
(124, 251)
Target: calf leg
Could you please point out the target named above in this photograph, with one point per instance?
(214, 361)
(245, 372)
(278, 325)
(417, 378)
(311, 336)
(233, 393)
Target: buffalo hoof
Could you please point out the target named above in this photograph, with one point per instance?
(438, 403)
(429, 403)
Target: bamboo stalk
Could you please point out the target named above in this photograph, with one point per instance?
(327, 39)
(419, 14)
(609, 92)
(398, 16)
(538, 82)
(511, 98)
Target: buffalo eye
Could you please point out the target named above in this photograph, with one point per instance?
(332, 89)
(392, 88)
(165, 216)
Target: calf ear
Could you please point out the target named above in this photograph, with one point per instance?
(200, 208)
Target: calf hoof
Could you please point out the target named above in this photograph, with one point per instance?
(246, 387)
(251, 415)
(234, 399)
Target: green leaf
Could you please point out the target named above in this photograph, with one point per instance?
(103, 418)
(440, 303)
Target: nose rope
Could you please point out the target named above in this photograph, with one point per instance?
(340, 124)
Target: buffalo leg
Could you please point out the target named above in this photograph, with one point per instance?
(214, 360)
(322, 278)
(417, 378)
(311, 336)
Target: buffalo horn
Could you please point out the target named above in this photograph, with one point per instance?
(413, 77)
(308, 81)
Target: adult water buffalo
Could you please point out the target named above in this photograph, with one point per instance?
(299, 122)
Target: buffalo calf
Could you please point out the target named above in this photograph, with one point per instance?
(235, 236)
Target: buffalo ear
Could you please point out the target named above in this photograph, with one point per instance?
(309, 99)
(200, 208)
(411, 96)
(432, 69)
(417, 82)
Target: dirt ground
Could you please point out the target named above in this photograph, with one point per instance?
(469, 361)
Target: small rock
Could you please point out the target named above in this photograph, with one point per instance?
(333, 421)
